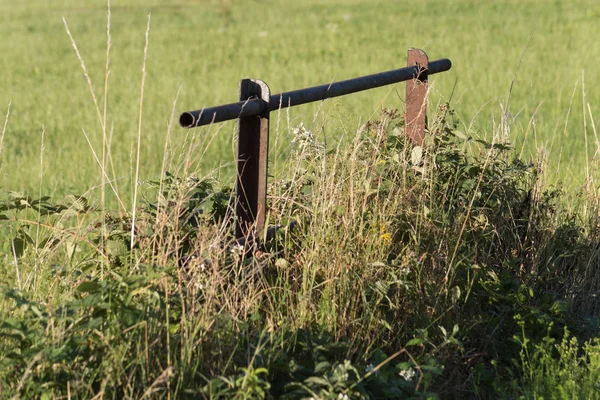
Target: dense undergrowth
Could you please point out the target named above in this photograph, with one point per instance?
(449, 270)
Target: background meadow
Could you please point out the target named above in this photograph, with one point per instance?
(536, 56)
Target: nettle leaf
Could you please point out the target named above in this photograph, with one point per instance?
(71, 248)
(444, 332)
(460, 135)
(116, 248)
(317, 381)
(322, 367)
(26, 236)
(77, 203)
(48, 242)
(89, 287)
(18, 246)
(94, 301)
(307, 190)
(16, 195)
(455, 294)
(416, 155)
(382, 288)
(415, 342)
(174, 328)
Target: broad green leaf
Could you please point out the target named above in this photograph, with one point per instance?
(94, 323)
(36, 311)
(174, 328)
(71, 248)
(460, 135)
(77, 203)
(416, 155)
(414, 342)
(16, 195)
(18, 247)
(317, 380)
(444, 332)
(116, 248)
(88, 287)
(322, 366)
(455, 294)
(382, 288)
(25, 236)
(455, 329)
(11, 323)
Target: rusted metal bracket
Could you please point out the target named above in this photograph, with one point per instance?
(252, 164)
(416, 97)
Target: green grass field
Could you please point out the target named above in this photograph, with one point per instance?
(207, 46)
(457, 269)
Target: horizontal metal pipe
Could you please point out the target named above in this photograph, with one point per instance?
(256, 106)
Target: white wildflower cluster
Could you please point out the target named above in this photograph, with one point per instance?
(408, 374)
(343, 396)
(342, 372)
(404, 271)
(305, 142)
(236, 250)
(302, 136)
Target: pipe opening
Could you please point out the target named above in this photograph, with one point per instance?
(186, 120)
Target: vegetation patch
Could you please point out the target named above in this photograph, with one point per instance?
(456, 269)
(444, 271)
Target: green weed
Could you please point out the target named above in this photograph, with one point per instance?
(408, 274)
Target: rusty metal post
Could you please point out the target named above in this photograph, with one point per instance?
(253, 153)
(416, 97)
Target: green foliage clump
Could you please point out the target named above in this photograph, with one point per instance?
(559, 369)
(447, 269)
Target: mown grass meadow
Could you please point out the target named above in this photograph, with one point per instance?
(206, 47)
(465, 268)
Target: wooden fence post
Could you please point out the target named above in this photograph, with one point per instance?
(416, 97)
(253, 153)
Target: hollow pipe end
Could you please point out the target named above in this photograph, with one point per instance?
(187, 120)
